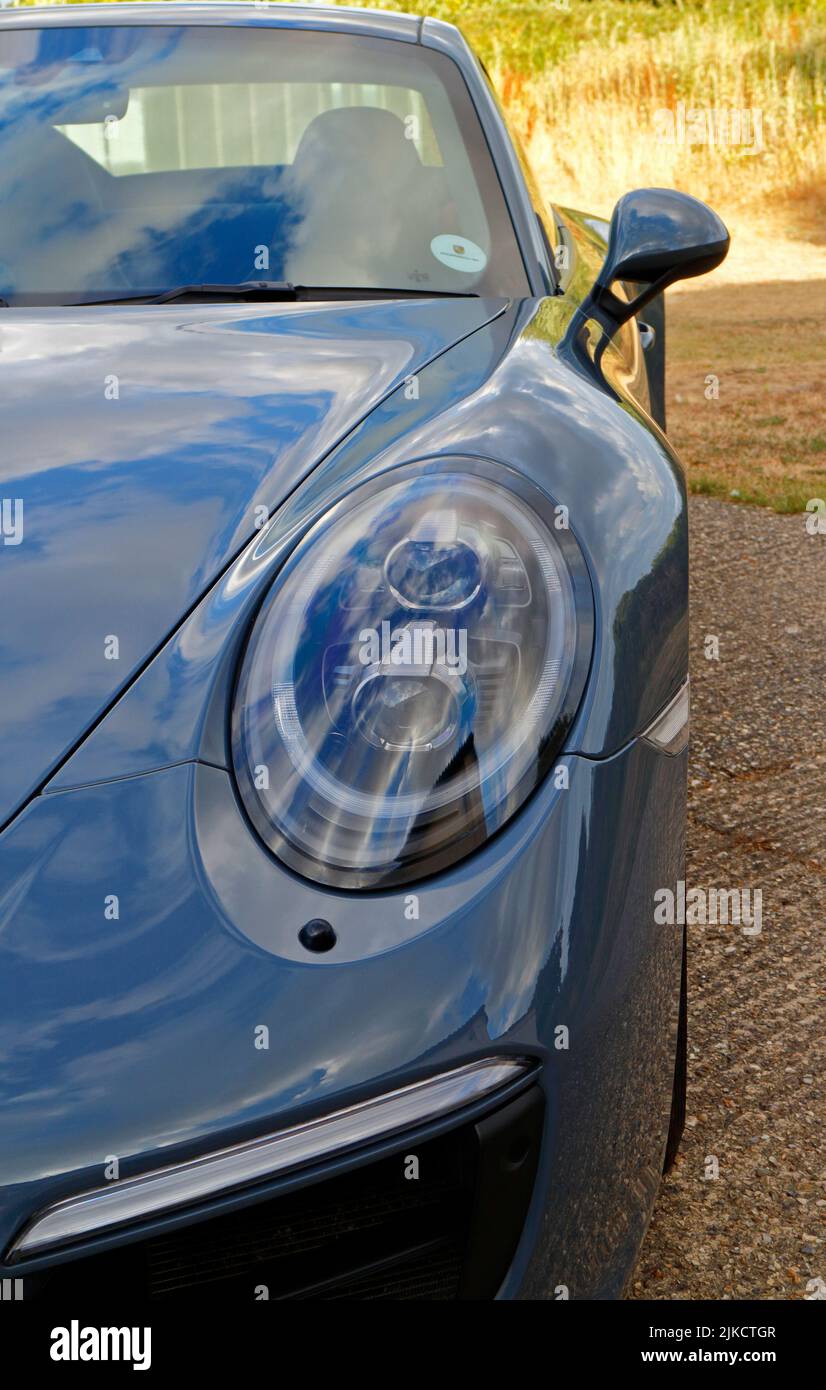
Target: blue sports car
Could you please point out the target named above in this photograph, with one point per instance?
(344, 672)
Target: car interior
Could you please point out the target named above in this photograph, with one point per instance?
(355, 207)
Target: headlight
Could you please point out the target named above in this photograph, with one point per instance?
(411, 675)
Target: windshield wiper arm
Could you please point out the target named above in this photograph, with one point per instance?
(244, 290)
(263, 291)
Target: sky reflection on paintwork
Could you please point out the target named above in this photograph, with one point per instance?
(133, 505)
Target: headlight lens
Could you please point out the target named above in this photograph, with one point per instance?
(411, 676)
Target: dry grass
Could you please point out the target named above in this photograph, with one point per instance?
(763, 440)
(590, 123)
(600, 119)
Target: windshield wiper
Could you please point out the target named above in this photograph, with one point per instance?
(245, 290)
(263, 291)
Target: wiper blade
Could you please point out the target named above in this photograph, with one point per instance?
(263, 291)
(245, 290)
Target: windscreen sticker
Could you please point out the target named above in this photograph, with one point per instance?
(457, 253)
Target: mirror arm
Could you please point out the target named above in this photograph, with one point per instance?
(610, 311)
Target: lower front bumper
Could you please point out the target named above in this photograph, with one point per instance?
(156, 1003)
(435, 1212)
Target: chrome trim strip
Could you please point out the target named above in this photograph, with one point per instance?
(670, 730)
(135, 1199)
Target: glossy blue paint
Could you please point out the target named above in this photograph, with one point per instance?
(490, 397)
(135, 1036)
(656, 236)
(134, 505)
(659, 234)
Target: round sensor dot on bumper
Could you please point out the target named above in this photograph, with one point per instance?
(317, 936)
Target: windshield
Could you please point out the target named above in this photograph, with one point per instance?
(137, 159)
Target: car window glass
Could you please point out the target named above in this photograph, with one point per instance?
(143, 158)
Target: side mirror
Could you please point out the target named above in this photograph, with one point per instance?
(657, 236)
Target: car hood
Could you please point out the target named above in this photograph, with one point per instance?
(141, 447)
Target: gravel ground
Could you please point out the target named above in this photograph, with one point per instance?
(757, 1004)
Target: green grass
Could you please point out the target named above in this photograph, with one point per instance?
(785, 495)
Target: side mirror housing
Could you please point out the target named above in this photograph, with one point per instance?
(657, 236)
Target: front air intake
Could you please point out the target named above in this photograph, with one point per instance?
(433, 1219)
